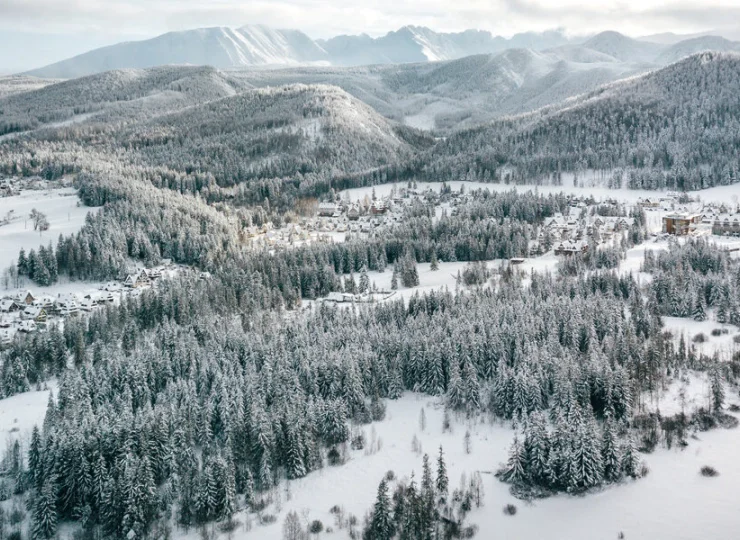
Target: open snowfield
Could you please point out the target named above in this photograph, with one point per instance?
(673, 502)
(729, 195)
(446, 275)
(19, 413)
(688, 328)
(686, 395)
(61, 208)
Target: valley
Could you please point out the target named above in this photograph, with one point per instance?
(412, 286)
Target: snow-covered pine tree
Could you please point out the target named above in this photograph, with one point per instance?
(380, 525)
(515, 470)
(611, 452)
(442, 482)
(44, 518)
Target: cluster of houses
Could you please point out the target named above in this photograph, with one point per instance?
(10, 186)
(25, 312)
(578, 230)
(366, 297)
(7, 188)
(710, 220)
(289, 236)
(331, 222)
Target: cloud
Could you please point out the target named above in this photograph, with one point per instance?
(324, 18)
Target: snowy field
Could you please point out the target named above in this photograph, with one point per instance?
(720, 194)
(446, 276)
(673, 502)
(19, 413)
(723, 345)
(62, 210)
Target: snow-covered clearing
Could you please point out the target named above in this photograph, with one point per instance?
(673, 502)
(19, 413)
(62, 210)
(686, 395)
(446, 275)
(724, 344)
(729, 195)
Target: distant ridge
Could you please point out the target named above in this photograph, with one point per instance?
(223, 47)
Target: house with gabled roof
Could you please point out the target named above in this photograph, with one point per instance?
(8, 305)
(25, 297)
(569, 247)
(67, 305)
(137, 279)
(36, 314)
(6, 336)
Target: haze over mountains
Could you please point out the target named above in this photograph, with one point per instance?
(256, 45)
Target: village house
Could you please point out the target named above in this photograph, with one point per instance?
(6, 189)
(571, 248)
(353, 214)
(87, 305)
(36, 314)
(137, 280)
(648, 202)
(154, 273)
(5, 321)
(6, 336)
(379, 208)
(112, 286)
(328, 209)
(67, 305)
(27, 326)
(45, 301)
(25, 297)
(8, 305)
(726, 225)
(681, 224)
(339, 297)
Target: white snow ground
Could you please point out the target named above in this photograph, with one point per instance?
(673, 502)
(19, 413)
(729, 195)
(61, 209)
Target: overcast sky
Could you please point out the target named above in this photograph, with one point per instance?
(35, 32)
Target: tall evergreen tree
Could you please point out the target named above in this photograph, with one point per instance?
(380, 526)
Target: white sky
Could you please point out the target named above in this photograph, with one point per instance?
(30, 28)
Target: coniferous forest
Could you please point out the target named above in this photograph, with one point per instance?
(200, 399)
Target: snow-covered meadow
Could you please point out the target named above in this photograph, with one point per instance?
(63, 209)
(673, 502)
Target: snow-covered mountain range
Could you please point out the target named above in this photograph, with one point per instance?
(223, 47)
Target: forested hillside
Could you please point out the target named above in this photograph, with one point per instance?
(113, 95)
(272, 133)
(678, 127)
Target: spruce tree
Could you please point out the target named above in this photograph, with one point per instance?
(380, 526)
(611, 455)
(717, 389)
(514, 472)
(442, 483)
(44, 518)
(34, 458)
